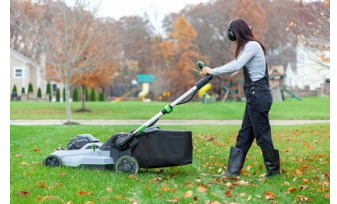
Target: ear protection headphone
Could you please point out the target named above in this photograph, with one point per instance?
(230, 33)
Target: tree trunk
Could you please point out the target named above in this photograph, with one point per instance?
(68, 110)
(83, 97)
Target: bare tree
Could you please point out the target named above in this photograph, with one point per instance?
(75, 42)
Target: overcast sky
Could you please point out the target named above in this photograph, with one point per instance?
(119, 8)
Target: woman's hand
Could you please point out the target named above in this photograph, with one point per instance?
(205, 70)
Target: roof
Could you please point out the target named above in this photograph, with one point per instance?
(286, 56)
(276, 70)
(23, 58)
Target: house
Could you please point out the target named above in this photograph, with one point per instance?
(309, 72)
(23, 71)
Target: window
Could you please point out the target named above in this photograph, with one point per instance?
(18, 72)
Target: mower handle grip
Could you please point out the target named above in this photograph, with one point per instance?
(200, 64)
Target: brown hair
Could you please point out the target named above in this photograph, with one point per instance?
(243, 34)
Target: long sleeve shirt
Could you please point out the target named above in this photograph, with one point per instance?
(252, 56)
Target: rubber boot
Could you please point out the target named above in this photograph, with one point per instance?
(272, 163)
(235, 162)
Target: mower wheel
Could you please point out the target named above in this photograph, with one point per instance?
(127, 164)
(52, 161)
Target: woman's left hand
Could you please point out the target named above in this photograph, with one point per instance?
(205, 71)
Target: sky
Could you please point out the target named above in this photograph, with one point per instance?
(119, 8)
(156, 9)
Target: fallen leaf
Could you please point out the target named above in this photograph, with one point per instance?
(119, 197)
(19, 155)
(306, 181)
(22, 193)
(188, 194)
(202, 189)
(165, 189)
(241, 183)
(62, 174)
(327, 195)
(189, 184)
(303, 187)
(132, 176)
(291, 189)
(302, 198)
(270, 195)
(82, 193)
(69, 202)
(39, 198)
(286, 183)
(211, 157)
(214, 202)
(89, 202)
(24, 164)
(36, 149)
(109, 190)
(228, 194)
(41, 184)
(249, 197)
(298, 172)
(294, 179)
(242, 194)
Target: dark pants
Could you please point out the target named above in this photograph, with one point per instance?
(255, 123)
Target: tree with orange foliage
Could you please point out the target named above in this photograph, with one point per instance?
(180, 54)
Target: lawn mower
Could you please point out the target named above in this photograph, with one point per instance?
(145, 147)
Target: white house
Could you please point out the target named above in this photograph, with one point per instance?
(309, 70)
(23, 71)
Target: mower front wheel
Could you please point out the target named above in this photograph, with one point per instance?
(52, 161)
(127, 164)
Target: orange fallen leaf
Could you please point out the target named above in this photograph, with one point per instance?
(165, 189)
(38, 198)
(306, 181)
(327, 195)
(89, 202)
(298, 172)
(291, 189)
(82, 193)
(188, 194)
(41, 184)
(270, 195)
(36, 149)
(228, 194)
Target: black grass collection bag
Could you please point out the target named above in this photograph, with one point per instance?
(163, 148)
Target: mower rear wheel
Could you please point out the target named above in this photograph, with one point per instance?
(127, 164)
(52, 161)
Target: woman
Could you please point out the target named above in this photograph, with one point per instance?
(250, 56)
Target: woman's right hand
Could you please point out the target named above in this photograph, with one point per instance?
(205, 71)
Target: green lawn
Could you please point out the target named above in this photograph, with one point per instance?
(304, 152)
(310, 108)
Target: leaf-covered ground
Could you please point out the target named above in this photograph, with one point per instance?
(305, 166)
